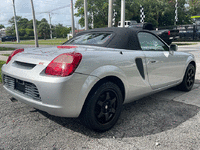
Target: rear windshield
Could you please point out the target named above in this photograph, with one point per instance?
(90, 39)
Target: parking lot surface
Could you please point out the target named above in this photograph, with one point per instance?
(167, 120)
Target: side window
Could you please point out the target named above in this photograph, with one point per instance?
(149, 42)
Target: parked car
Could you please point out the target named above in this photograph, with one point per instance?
(93, 74)
(168, 35)
(189, 32)
(8, 38)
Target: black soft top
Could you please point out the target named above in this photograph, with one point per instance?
(122, 38)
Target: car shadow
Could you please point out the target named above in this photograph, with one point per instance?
(149, 115)
(197, 81)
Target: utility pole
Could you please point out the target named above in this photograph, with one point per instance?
(72, 13)
(15, 20)
(110, 13)
(85, 14)
(50, 26)
(34, 25)
(122, 13)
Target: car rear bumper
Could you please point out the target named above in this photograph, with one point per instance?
(59, 96)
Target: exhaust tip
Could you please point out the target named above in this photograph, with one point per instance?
(13, 100)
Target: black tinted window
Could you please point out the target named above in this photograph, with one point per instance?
(90, 39)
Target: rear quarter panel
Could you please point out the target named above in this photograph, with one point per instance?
(119, 63)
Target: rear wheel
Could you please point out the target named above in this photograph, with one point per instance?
(189, 78)
(103, 107)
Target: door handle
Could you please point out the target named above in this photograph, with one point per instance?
(153, 61)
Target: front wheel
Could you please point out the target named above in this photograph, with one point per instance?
(103, 107)
(189, 78)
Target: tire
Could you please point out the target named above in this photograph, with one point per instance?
(103, 107)
(189, 78)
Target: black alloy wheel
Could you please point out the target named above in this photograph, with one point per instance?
(103, 107)
(106, 106)
(189, 79)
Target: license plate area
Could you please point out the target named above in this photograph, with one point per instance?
(20, 85)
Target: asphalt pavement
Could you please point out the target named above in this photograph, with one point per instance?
(168, 120)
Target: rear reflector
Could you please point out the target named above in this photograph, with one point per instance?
(66, 46)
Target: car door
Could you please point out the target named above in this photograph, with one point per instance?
(164, 67)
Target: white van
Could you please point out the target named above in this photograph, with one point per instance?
(127, 23)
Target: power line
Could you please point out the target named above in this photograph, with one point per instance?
(39, 14)
(53, 3)
(55, 9)
(46, 1)
(45, 11)
(6, 13)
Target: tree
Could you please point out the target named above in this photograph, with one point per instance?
(44, 29)
(98, 8)
(2, 26)
(132, 11)
(12, 22)
(184, 16)
(25, 27)
(194, 7)
(22, 32)
(11, 31)
(60, 31)
(44, 20)
(158, 12)
(29, 32)
(30, 24)
(22, 23)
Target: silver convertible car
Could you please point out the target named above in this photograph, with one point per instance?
(93, 74)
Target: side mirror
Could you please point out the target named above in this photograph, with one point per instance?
(173, 47)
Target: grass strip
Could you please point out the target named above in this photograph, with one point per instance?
(41, 42)
(6, 48)
(186, 43)
(1, 64)
(5, 54)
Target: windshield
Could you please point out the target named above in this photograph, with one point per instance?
(90, 39)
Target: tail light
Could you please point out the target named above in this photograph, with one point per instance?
(13, 54)
(169, 33)
(64, 65)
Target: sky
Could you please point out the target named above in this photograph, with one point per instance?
(60, 11)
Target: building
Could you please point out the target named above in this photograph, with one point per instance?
(2, 32)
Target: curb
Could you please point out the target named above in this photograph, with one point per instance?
(4, 58)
